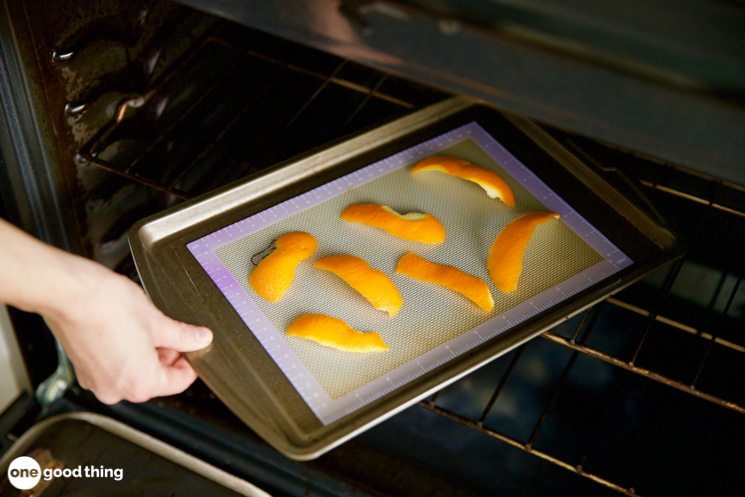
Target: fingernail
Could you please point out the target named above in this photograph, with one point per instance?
(203, 334)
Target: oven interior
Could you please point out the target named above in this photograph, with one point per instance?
(147, 104)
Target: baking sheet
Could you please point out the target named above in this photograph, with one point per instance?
(435, 324)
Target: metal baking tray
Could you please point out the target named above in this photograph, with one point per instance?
(97, 455)
(194, 260)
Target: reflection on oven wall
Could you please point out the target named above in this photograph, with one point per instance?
(146, 129)
(663, 78)
(148, 104)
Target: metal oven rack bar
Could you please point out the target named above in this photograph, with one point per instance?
(380, 89)
(332, 73)
(708, 333)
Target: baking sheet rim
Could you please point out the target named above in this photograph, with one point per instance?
(323, 406)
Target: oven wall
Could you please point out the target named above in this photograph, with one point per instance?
(661, 77)
(68, 65)
(13, 377)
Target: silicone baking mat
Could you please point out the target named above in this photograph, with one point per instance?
(435, 324)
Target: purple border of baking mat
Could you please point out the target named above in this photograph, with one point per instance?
(329, 410)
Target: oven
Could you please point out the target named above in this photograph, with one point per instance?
(115, 111)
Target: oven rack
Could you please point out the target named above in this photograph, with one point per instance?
(366, 96)
(363, 96)
(718, 328)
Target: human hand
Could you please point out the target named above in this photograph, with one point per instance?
(122, 346)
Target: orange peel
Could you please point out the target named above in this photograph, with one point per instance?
(414, 226)
(505, 262)
(274, 274)
(333, 332)
(471, 287)
(495, 186)
(371, 283)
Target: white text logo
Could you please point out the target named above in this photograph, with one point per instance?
(24, 473)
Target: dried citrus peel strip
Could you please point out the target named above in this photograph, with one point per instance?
(471, 287)
(274, 274)
(334, 332)
(415, 227)
(487, 179)
(505, 261)
(371, 283)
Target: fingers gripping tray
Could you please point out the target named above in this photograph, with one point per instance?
(305, 398)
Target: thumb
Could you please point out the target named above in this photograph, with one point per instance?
(180, 336)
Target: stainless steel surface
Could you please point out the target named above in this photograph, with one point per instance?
(54, 387)
(263, 397)
(660, 77)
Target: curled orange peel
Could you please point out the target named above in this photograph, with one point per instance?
(274, 274)
(506, 253)
(487, 179)
(333, 332)
(471, 287)
(414, 226)
(371, 283)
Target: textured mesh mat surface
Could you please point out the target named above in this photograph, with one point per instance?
(434, 323)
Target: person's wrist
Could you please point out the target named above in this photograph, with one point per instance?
(71, 280)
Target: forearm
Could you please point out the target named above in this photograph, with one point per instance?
(120, 343)
(37, 277)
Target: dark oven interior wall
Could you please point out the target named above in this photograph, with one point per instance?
(58, 89)
(149, 103)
